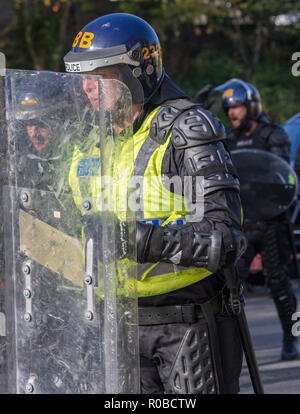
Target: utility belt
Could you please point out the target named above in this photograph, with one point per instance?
(189, 313)
(200, 339)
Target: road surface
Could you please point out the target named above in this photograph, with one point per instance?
(278, 377)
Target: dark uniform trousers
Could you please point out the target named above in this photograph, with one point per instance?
(162, 345)
(272, 241)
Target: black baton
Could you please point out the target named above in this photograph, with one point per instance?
(237, 308)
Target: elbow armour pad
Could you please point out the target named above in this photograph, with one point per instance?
(182, 246)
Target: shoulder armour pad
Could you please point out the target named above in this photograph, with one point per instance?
(165, 117)
(162, 123)
(196, 126)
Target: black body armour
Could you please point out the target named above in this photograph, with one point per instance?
(266, 136)
(270, 238)
(186, 154)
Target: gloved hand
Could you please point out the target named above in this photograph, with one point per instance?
(238, 247)
(203, 96)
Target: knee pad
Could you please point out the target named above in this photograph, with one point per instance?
(193, 370)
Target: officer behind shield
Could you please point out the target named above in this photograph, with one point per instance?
(188, 342)
(250, 128)
(41, 111)
(43, 147)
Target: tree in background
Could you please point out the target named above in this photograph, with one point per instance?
(40, 31)
(203, 41)
(206, 41)
(36, 34)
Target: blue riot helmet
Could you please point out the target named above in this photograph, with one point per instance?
(236, 92)
(41, 96)
(122, 42)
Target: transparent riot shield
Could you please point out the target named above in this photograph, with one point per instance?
(3, 144)
(70, 282)
(210, 98)
(268, 184)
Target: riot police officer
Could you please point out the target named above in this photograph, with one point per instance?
(250, 128)
(43, 131)
(180, 255)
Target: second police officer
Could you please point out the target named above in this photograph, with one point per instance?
(41, 113)
(250, 128)
(188, 343)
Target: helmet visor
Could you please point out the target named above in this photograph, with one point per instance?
(103, 94)
(121, 73)
(110, 63)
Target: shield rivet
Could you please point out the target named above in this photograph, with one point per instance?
(27, 317)
(88, 280)
(26, 269)
(87, 205)
(27, 293)
(29, 388)
(89, 315)
(24, 197)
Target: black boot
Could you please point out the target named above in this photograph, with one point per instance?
(289, 347)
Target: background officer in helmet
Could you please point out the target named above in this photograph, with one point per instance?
(180, 260)
(250, 128)
(41, 111)
(43, 148)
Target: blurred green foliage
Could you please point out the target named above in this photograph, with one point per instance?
(209, 42)
(279, 90)
(203, 41)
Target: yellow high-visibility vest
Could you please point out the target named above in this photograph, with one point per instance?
(159, 205)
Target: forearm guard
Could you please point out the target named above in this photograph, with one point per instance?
(185, 246)
(181, 246)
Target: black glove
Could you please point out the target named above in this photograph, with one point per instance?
(202, 96)
(235, 249)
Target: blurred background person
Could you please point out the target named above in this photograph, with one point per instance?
(250, 128)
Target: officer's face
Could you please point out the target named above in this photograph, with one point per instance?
(39, 136)
(236, 115)
(109, 91)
